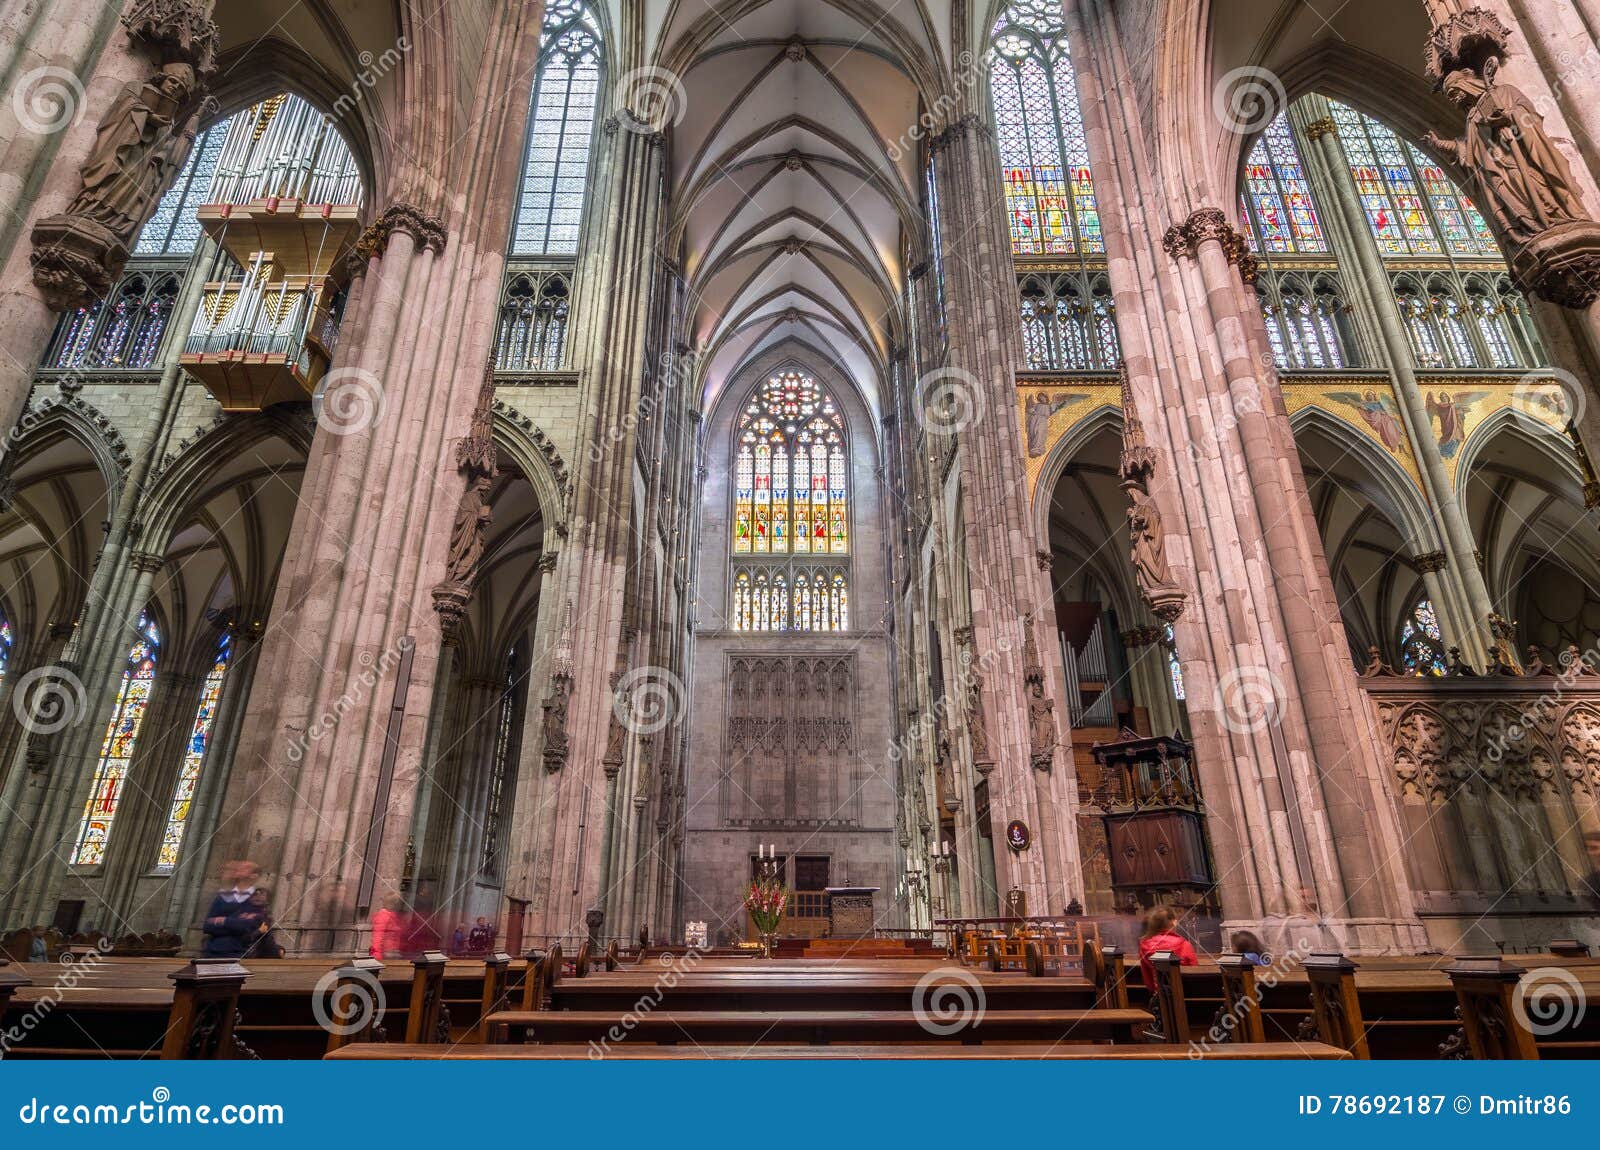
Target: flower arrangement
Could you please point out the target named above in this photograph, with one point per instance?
(765, 901)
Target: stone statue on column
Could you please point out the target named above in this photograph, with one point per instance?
(477, 461)
(1042, 734)
(140, 146)
(1147, 541)
(1517, 176)
(557, 745)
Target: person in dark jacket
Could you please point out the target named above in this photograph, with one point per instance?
(233, 923)
(265, 943)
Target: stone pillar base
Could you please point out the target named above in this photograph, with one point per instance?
(1299, 935)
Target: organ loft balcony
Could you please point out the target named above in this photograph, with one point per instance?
(284, 208)
(262, 338)
(286, 183)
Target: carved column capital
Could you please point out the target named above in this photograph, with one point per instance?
(1320, 128)
(146, 561)
(1430, 561)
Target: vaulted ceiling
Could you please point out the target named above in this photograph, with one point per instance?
(795, 178)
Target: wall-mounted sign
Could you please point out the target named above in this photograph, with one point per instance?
(1018, 836)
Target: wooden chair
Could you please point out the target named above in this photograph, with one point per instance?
(612, 955)
(427, 1017)
(1241, 1001)
(1114, 987)
(1486, 989)
(1172, 1014)
(1335, 1009)
(585, 956)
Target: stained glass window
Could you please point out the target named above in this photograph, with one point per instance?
(791, 473)
(123, 330)
(1421, 643)
(116, 752)
(1050, 197)
(1174, 668)
(1409, 201)
(560, 132)
(174, 228)
(791, 497)
(5, 643)
(1277, 196)
(194, 757)
(1068, 322)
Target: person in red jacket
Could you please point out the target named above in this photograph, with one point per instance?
(1160, 933)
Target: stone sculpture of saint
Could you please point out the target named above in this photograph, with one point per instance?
(1149, 549)
(1041, 725)
(1519, 178)
(138, 150)
(468, 531)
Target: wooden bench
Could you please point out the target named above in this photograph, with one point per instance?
(1052, 1052)
(811, 1027)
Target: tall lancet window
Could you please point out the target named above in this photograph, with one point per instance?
(1038, 126)
(116, 752)
(505, 753)
(194, 757)
(5, 643)
(1421, 642)
(791, 510)
(560, 132)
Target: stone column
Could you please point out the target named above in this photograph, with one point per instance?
(1465, 603)
(570, 879)
(1012, 609)
(328, 762)
(1300, 818)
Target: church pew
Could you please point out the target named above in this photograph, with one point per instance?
(621, 992)
(809, 1027)
(1492, 1026)
(192, 1017)
(1054, 1052)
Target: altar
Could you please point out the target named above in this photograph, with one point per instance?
(850, 911)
